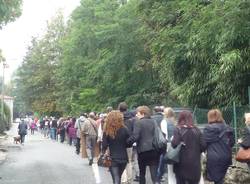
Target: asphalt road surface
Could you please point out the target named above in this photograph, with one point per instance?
(42, 161)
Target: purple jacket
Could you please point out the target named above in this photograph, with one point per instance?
(71, 130)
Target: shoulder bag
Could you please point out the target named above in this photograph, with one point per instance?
(243, 155)
(159, 141)
(173, 154)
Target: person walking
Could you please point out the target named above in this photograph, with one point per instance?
(158, 115)
(167, 127)
(129, 123)
(143, 134)
(61, 129)
(46, 127)
(188, 170)
(90, 132)
(32, 127)
(53, 128)
(78, 126)
(220, 140)
(22, 130)
(245, 140)
(115, 138)
(71, 131)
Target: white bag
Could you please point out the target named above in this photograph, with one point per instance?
(171, 175)
(202, 179)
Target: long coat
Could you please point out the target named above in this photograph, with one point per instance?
(220, 140)
(189, 167)
(22, 128)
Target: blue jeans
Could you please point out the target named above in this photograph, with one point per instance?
(161, 168)
(53, 133)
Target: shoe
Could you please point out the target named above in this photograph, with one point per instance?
(90, 161)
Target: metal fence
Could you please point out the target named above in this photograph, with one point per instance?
(233, 115)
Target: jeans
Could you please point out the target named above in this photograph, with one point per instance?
(46, 132)
(62, 135)
(22, 136)
(161, 168)
(116, 172)
(53, 133)
(72, 141)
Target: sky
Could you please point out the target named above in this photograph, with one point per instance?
(16, 36)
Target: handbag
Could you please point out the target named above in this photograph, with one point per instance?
(243, 155)
(104, 161)
(159, 141)
(173, 154)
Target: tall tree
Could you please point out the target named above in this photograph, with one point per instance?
(9, 11)
(36, 78)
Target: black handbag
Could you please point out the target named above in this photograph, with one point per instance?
(159, 141)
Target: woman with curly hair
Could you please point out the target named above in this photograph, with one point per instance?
(115, 137)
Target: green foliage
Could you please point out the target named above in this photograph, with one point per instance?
(5, 120)
(36, 79)
(201, 49)
(148, 52)
(9, 11)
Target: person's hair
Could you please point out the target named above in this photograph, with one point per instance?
(109, 109)
(169, 113)
(113, 123)
(185, 119)
(73, 119)
(92, 115)
(145, 110)
(214, 115)
(247, 118)
(157, 109)
(123, 107)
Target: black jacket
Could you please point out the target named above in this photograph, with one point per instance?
(143, 134)
(129, 121)
(220, 140)
(22, 128)
(158, 117)
(189, 167)
(117, 146)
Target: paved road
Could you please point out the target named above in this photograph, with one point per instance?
(42, 161)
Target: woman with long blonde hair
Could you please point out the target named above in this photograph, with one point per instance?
(115, 137)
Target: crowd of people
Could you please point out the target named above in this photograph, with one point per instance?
(127, 137)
